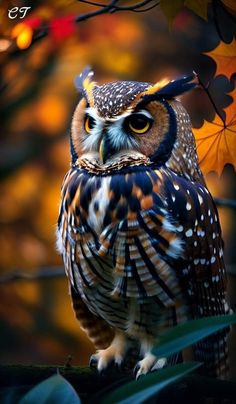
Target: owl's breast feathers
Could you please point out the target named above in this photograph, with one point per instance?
(140, 234)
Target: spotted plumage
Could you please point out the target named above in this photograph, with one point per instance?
(138, 229)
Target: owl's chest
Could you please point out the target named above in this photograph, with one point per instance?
(107, 200)
(98, 203)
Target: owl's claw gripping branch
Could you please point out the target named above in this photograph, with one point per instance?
(149, 363)
(113, 355)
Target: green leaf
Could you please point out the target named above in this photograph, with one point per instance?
(53, 390)
(189, 333)
(140, 390)
(199, 7)
(171, 8)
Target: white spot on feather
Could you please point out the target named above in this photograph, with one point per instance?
(188, 206)
(213, 259)
(200, 199)
(176, 187)
(189, 233)
(203, 260)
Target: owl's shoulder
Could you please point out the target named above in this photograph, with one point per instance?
(188, 199)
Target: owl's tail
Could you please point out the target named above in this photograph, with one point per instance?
(98, 331)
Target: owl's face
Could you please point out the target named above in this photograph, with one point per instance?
(129, 119)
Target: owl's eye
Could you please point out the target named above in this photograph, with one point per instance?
(139, 123)
(89, 123)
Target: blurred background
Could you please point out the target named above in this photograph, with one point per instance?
(38, 98)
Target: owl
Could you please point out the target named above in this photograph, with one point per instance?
(138, 229)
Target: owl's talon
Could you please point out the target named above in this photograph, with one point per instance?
(113, 356)
(119, 364)
(103, 372)
(146, 365)
(136, 369)
(93, 361)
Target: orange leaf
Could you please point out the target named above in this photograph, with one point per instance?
(225, 57)
(231, 109)
(230, 4)
(216, 143)
(199, 7)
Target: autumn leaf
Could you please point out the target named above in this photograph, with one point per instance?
(171, 8)
(199, 7)
(216, 141)
(224, 56)
(231, 4)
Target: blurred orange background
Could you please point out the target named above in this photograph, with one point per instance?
(38, 98)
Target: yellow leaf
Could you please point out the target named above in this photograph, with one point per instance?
(224, 56)
(199, 7)
(216, 142)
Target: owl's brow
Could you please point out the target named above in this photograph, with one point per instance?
(93, 113)
(143, 112)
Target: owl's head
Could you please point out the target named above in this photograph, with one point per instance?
(125, 122)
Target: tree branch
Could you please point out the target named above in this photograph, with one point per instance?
(92, 387)
(40, 274)
(206, 89)
(225, 203)
(112, 7)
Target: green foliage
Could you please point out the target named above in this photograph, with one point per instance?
(57, 390)
(53, 390)
(184, 335)
(147, 386)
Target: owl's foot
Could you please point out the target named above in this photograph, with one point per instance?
(114, 354)
(148, 364)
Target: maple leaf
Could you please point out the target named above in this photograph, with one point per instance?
(171, 8)
(199, 7)
(216, 141)
(224, 56)
(230, 4)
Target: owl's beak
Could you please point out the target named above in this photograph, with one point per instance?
(106, 150)
(101, 151)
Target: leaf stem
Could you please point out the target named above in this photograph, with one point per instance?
(205, 88)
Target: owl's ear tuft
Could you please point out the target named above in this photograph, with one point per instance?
(85, 84)
(86, 74)
(170, 90)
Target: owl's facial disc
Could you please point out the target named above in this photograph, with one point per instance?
(108, 137)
